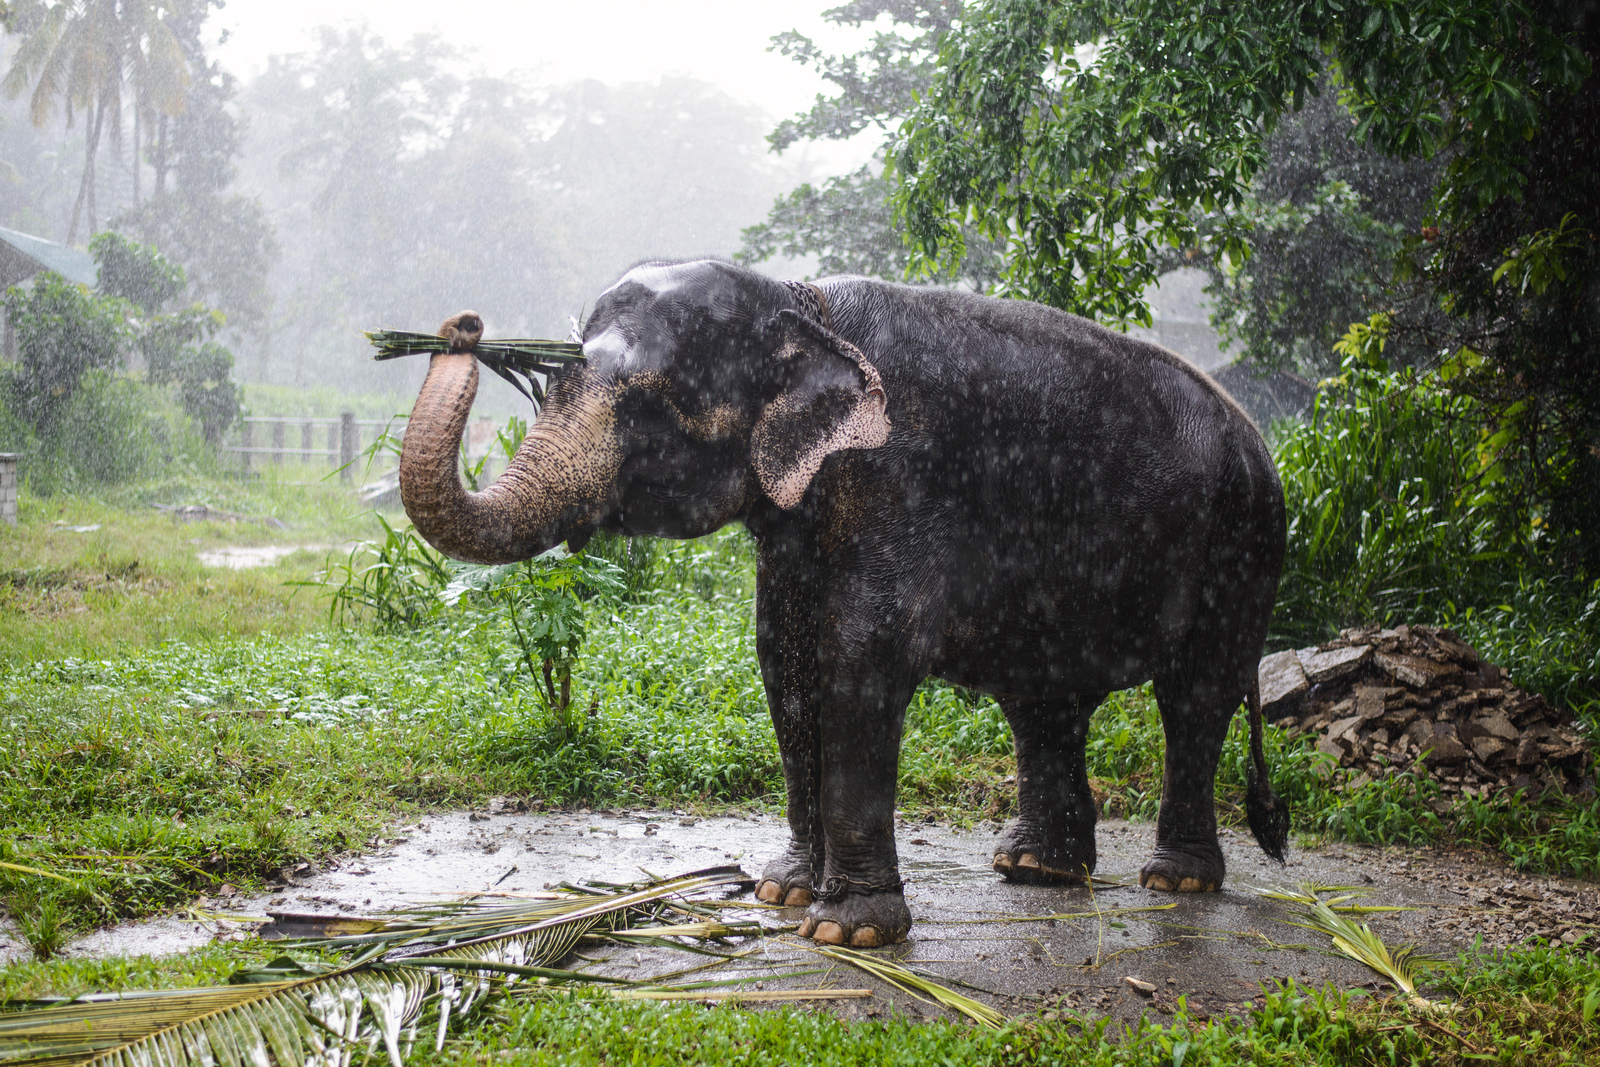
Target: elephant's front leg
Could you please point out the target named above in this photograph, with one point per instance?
(789, 877)
(862, 902)
(786, 637)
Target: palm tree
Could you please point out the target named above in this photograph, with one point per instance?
(82, 53)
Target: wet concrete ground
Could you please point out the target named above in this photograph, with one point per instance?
(1029, 948)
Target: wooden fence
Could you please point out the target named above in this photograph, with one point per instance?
(266, 439)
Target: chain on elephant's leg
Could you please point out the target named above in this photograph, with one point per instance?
(861, 902)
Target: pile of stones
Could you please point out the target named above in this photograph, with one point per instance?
(1421, 699)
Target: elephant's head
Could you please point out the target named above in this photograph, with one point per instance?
(703, 392)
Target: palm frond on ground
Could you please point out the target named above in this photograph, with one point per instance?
(1402, 966)
(297, 1013)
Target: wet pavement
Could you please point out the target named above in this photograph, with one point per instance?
(1028, 948)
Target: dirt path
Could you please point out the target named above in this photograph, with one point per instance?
(1214, 950)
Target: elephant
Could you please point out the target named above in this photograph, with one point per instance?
(938, 483)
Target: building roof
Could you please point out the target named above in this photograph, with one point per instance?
(22, 256)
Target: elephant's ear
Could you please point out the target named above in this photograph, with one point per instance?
(831, 399)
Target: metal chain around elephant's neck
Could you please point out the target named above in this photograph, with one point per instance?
(813, 301)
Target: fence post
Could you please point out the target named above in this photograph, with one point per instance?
(8, 488)
(349, 442)
(305, 442)
(277, 442)
(247, 441)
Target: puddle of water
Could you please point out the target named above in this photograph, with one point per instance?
(239, 558)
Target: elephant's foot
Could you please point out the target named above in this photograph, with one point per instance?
(1172, 870)
(788, 879)
(1022, 856)
(867, 920)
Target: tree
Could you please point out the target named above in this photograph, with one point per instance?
(64, 332)
(1327, 215)
(224, 241)
(176, 341)
(1091, 139)
(402, 195)
(404, 192)
(849, 223)
(80, 53)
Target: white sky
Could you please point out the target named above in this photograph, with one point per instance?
(721, 41)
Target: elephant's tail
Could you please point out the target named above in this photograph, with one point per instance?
(1268, 813)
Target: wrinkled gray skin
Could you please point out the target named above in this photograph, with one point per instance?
(989, 491)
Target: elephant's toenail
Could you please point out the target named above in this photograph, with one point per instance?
(1028, 860)
(828, 932)
(1159, 882)
(868, 937)
(767, 891)
(1191, 885)
(799, 897)
(808, 926)
(1002, 862)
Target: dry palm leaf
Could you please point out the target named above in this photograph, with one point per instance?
(507, 358)
(1401, 966)
(295, 1014)
(917, 985)
(1309, 893)
(34, 870)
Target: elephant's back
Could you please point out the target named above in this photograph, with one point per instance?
(982, 376)
(1070, 480)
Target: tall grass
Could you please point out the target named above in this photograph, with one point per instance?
(1381, 525)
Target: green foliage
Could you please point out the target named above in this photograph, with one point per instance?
(1085, 134)
(1326, 217)
(1533, 1007)
(394, 583)
(1539, 260)
(541, 601)
(1545, 631)
(846, 223)
(112, 430)
(1096, 141)
(849, 222)
(1401, 510)
(1543, 990)
(136, 272)
(63, 331)
(224, 240)
(176, 344)
(1386, 518)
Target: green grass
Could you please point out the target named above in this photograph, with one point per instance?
(137, 581)
(165, 738)
(1534, 1008)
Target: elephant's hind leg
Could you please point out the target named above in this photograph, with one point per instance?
(1052, 839)
(1195, 714)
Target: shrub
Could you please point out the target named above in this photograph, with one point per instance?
(1399, 511)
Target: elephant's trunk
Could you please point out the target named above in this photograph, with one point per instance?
(558, 482)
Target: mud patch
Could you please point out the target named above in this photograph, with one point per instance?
(1025, 947)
